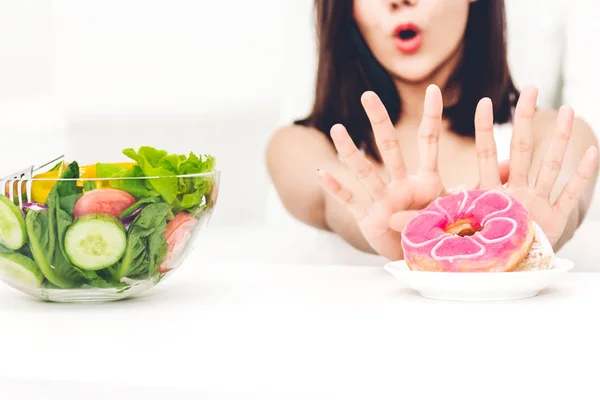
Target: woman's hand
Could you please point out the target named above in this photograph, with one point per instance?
(551, 216)
(402, 194)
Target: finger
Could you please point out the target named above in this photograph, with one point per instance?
(357, 162)
(553, 160)
(429, 131)
(568, 198)
(342, 195)
(399, 220)
(385, 136)
(504, 171)
(522, 139)
(485, 145)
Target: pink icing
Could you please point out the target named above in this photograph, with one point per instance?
(503, 225)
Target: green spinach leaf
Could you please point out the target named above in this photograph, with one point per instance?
(89, 186)
(41, 233)
(137, 205)
(47, 229)
(146, 243)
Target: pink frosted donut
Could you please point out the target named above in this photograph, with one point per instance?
(469, 231)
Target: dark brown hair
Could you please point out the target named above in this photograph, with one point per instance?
(347, 68)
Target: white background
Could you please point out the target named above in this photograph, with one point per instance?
(198, 75)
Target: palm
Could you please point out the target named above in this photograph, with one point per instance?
(540, 211)
(406, 198)
(403, 194)
(551, 216)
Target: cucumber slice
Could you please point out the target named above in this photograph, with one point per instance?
(15, 267)
(12, 225)
(95, 241)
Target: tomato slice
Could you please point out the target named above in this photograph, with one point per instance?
(176, 222)
(178, 233)
(103, 201)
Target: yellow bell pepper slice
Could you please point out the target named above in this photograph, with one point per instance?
(40, 189)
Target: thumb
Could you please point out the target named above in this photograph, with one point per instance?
(399, 220)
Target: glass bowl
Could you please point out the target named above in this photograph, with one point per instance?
(86, 239)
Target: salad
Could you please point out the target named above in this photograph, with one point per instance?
(106, 224)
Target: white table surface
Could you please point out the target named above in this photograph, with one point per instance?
(224, 329)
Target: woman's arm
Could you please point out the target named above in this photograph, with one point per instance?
(359, 202)
(582, 137)
(294, 154)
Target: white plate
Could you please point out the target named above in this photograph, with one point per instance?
(479, 286)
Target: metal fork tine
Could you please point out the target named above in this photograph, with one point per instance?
(24, 175)
(11, 190)
(20, 192)
(29, 189)
(4, 182)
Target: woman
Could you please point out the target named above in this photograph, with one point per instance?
(381, 64)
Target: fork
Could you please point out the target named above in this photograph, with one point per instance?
(24, 175)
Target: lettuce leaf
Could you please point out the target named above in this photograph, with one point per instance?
(135, 187)
(183, 193)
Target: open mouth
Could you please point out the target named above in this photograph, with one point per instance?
(408, 38)
(407, 34)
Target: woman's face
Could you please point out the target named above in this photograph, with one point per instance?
(412, 39)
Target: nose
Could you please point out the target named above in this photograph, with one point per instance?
(396, 4)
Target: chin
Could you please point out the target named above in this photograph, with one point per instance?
(413, 72)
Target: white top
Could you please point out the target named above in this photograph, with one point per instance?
(301, 332)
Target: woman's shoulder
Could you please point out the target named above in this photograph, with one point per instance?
(294, 153)
(545, 124)
(296, 137)
(298, 131)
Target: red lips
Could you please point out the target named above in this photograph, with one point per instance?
(408, 38)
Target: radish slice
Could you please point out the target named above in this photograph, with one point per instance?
(34, 207)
